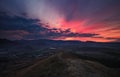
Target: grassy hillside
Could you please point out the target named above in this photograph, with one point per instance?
(65, 65)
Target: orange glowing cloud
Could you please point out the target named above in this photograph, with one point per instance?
(100, 28)
(75, 26)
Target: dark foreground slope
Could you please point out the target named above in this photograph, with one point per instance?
(65, 65)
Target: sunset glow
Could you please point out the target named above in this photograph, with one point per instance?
(83, 20)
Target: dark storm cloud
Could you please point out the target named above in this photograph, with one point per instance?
(56, 33)
(16, 27)
(115, 39)
(49, 34)
(67, 33)
(13, 34)
(18, 23)
(107, 38)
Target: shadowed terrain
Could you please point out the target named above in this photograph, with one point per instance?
(65, 65)
(49, 58)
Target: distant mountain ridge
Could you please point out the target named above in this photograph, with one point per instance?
(5, 41)
(72, 41)
(46, 42)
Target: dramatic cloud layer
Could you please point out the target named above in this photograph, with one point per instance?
(85, 20)
(25, 28)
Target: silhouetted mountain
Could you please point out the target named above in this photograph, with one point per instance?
(47, 42)
(63, 43)
(5, 41)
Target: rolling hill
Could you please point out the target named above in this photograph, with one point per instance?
(65, 65)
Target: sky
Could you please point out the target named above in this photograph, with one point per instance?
(83, 20)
